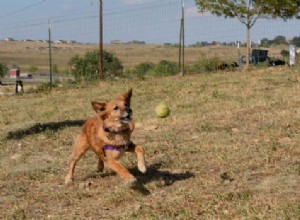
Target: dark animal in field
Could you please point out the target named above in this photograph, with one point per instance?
(226, 66)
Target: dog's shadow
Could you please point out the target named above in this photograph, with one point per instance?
(161, 178)
(42, 127)
(153, 174)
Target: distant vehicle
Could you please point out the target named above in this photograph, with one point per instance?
(16, 73)
(260, 56)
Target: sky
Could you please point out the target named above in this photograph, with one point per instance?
(152, 21)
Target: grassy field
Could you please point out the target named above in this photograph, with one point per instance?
(27, 54)
(229, 150)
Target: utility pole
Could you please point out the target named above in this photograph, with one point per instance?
(50, 53)
(181, 41)
(100, 63)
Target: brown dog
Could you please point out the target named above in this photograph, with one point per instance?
(108, 135)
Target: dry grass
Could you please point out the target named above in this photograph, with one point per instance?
(27, 54)
(229, 150)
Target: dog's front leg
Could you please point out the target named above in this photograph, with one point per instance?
(140, 155)
(112, 157)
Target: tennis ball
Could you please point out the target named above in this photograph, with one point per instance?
(162, 110)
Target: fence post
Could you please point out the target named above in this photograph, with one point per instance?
(100, 62)
(292, 50)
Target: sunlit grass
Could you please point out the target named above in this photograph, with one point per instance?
(228, 150)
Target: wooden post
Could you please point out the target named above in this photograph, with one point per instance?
(100, 63)
(50, 53)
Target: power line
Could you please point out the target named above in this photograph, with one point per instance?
(22, 9)
(91, 13)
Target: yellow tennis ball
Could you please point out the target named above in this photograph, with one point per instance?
(162, 110)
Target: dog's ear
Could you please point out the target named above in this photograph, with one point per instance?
(127, 96)
(99, 107)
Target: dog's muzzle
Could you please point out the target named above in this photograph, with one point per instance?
(127, 115)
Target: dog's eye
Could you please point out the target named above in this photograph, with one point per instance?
(116, 107)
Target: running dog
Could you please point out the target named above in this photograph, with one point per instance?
(108, 135)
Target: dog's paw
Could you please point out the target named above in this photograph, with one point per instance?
(142, 168)
(131, 180)
(68, 180)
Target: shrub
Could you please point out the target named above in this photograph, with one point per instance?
(33, 69)
(86, 68)
(3, 70)
(204, 66)
(142, 69)
(164, 68)
(285, 53)
(112, 66)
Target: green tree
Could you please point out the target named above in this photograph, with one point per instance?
(280, 40)
(296, 41)
(285, 9)
(265, 42)
(248, 11)
(3, 70)
(86, 68)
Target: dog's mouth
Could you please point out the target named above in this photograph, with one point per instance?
(126, 119)
(126, 116)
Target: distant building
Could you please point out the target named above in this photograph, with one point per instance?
(136, 42)
(116, 42)
(60, 42)
(71, 42)
(9, 39)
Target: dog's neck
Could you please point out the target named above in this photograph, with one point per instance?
(108, 130)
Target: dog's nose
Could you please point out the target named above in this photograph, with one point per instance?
(128, 110)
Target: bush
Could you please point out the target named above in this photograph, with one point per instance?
(33, 69)
(142, 69)
(3, 70)
(164, 68)
(86, 68)
(112, 66)
(285, 53)
(204, 66)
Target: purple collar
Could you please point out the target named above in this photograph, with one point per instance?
(111, 147)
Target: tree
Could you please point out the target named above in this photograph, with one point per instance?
(265, 42)
(285, 9)
(86, 68)
(248, 11)
(296, 41)
(280, 40)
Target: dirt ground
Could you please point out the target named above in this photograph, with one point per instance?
(228, 150)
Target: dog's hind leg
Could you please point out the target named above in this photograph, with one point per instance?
(101, 160)
(80, 148)
(100, 166)
(97, 148)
